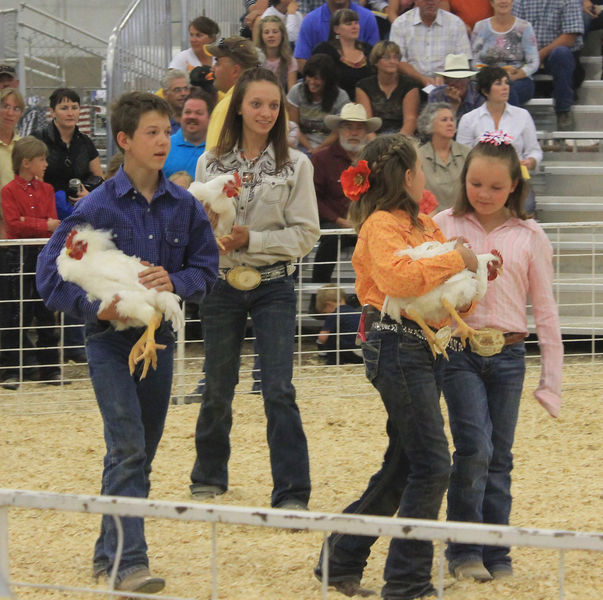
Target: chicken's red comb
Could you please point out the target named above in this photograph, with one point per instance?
(497, 253)
(69, 240)
(232, 189)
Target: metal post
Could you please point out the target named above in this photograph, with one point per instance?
(325, 564)
(21, 54)
(4, 571)
(214, 561)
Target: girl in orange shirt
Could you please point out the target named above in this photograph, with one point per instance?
(386, 188)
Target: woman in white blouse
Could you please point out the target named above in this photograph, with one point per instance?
(496, 113)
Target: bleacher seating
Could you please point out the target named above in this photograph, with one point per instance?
(568, 189)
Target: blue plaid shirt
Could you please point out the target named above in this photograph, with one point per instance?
(172, 231)
(551, 18)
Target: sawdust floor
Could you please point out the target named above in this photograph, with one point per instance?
(557, 483)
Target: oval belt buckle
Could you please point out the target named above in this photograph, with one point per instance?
(244, 278)
(487, 341)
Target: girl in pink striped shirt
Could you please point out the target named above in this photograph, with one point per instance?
(483, 392)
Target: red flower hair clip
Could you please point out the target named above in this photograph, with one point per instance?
(355, 180)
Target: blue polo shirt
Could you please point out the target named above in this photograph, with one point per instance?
(183, 155)
(315, 29)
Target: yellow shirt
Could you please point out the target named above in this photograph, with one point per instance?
(379, 272)
(216, 121)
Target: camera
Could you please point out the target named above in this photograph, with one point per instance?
(73, 190)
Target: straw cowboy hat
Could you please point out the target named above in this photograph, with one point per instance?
(456, 66)
(353, 112)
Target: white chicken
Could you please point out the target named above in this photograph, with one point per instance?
(457, 291)
(91, 260)
(219, 195)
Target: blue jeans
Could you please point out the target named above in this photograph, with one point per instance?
(521, 91)
(133, 412)
(414, 474)
(482, 394)
(560, 63)
(224, 311)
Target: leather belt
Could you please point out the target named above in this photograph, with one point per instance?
(514, 337)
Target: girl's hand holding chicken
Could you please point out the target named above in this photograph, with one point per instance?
(467, 255)
(238, 238)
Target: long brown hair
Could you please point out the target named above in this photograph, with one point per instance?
(389, 158)
(508, 154)
(232, 129)
(284, 49)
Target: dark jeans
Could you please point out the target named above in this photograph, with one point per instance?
(482, 394)
(22, 307)
(414, 474)
(560, 63)
(327, 253)
(133, 412)
(272, 308)
(521, 91)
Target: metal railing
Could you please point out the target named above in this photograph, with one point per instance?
(416, 529)
(578, 286)
(141, 45)
(51, 52)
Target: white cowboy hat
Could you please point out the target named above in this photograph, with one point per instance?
(353, 112)
(456, 66)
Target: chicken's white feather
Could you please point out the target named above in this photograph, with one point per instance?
(212, 194)
(460, 290)
(104, 271)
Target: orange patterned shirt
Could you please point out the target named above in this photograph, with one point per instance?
(379, 272)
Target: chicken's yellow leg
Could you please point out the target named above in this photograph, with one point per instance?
(220, 243)
(429, 334)
(463, 331)
(146, 347)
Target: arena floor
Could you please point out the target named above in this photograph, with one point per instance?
(557, 483)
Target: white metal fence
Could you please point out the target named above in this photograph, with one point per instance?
(496, 535)
(50, 52)
(141, 45)
(578, 287)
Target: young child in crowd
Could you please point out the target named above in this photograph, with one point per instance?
(181, 178)
(483, 392)
(164, 225)
(274, 43)
(29, 212)
(387, 186)
(337, 338)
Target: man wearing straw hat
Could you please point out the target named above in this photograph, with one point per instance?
(458, 89)
(353, 128)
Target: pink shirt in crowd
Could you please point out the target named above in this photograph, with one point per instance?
(527, 270)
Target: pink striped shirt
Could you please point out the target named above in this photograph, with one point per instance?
(527, 270)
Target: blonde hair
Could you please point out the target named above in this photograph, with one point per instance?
(27, 148)
(284, 49)
(6, 92)
(181, 175)
(329, 292)
(117, 160)
(389, 157)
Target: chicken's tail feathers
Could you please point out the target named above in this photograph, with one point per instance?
(169, 305)
(391, 308)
